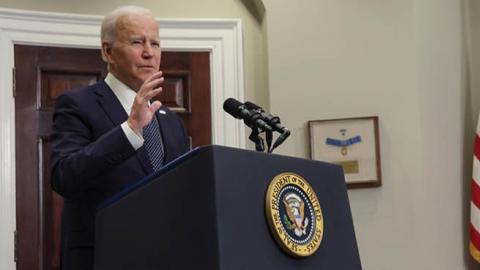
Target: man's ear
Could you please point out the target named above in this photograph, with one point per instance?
(107, 52)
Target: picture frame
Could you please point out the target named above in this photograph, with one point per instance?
(352, 143)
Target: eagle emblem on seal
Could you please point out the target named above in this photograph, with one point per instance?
(295, 218)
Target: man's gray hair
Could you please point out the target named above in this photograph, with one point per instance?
(108, 32)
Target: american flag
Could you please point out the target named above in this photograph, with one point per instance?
(475, 201)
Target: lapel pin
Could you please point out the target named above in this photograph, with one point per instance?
(162, 112)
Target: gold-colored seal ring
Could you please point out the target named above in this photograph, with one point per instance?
(300, 208)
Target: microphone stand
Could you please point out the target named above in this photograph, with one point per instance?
(255, 137)
(280, 140)
(269, 138)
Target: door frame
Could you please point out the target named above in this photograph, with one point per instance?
(221, 37)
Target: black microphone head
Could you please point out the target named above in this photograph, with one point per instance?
(253, 106)
(232, 106)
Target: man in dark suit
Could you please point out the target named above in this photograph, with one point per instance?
(108, 135)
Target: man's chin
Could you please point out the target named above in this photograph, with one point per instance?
(146, 73)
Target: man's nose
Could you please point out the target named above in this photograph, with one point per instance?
(147, 50)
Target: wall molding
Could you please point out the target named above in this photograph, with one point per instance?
(221, 37)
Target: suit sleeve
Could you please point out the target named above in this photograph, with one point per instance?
(78, 159)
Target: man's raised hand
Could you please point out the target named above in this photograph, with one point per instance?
(142, 112)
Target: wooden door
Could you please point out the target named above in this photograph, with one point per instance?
(42, 74)
(187, 92)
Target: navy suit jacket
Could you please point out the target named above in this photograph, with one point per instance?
(92, 159)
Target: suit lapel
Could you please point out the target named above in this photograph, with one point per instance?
(114, 110)
(110, 104)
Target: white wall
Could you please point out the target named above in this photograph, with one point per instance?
(403, 61)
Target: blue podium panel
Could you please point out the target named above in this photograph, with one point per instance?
(207, 211)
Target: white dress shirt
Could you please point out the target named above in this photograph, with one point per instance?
(126, 96)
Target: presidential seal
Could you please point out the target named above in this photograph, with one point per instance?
(294, 214)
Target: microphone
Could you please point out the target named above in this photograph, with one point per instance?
(251, 118)
(271, 120)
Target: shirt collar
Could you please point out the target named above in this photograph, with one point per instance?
(125, 94)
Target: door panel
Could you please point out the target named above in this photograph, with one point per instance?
(42, 73)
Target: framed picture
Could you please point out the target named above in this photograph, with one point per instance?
(352, 143)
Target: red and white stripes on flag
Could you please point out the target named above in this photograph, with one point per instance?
(475, 202)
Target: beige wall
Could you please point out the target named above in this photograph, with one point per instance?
(403, 61)
(472, 12)
(254, 45)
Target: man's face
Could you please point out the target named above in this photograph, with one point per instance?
(135, 54)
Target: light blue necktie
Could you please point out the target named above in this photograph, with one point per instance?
(153, 144)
